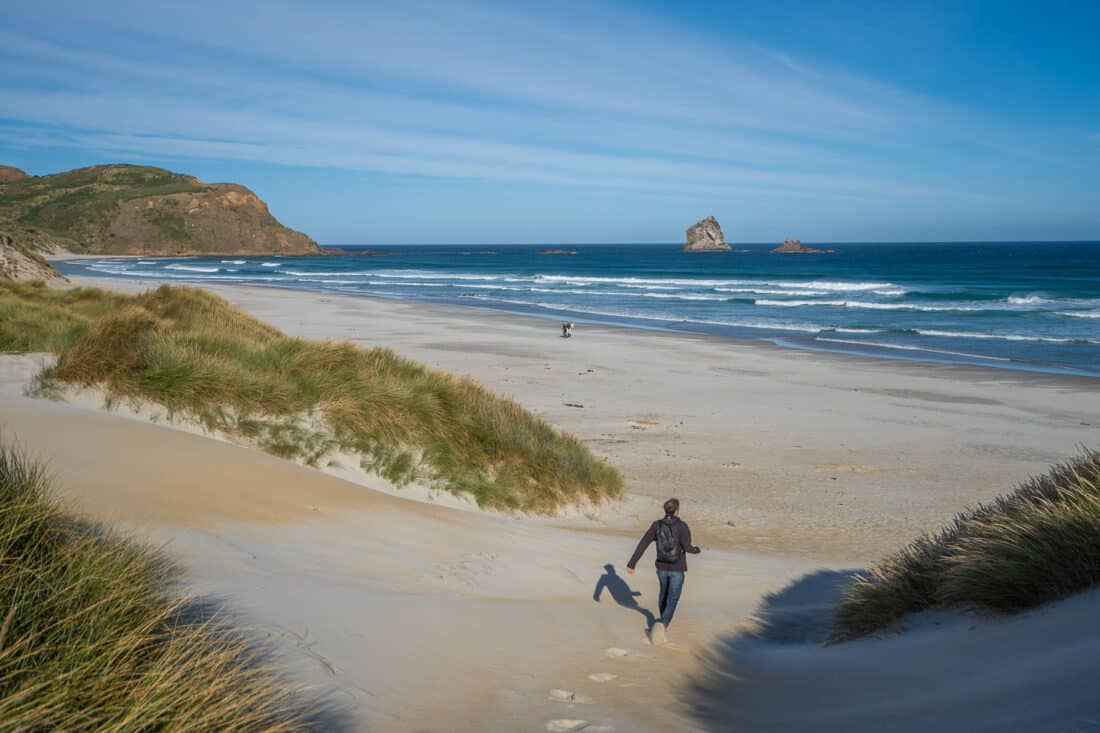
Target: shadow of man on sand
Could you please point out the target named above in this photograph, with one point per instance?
(621, 593)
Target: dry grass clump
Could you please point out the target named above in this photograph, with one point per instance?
(35, 318)
(1038, 544)
(195, 354)
(92, 638)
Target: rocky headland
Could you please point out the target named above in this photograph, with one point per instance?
(141, 210)
(706, 236)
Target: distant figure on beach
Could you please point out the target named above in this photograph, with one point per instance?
(673, 538)
(566, 330)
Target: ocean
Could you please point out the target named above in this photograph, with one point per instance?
(1030, 306)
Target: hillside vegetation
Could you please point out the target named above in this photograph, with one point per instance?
(1038, 544)
(18, 261)
(92, 638)
(141, 210)
(196, 355)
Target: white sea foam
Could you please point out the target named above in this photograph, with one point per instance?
(1080, 314)
(772, 291)
(855, 330)
(1002, 336)
(319, 273)
(415, 275)
(270, 264)
(190, 268)
(825, 285)
(1028, 300)
(865, 305)
(681, 296)
(232, 262)
(903, 347)
(835, 286)
(404, 284)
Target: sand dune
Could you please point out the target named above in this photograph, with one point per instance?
(414, 616)
(421, 617)
(948, 672)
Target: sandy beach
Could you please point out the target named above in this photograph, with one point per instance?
(411, 616)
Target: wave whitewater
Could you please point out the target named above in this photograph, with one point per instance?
(1039, 308)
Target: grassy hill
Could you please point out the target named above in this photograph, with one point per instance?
(198, 356)
(141, 210)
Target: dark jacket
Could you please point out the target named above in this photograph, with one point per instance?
(682, 532)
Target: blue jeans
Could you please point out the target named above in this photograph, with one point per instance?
(672, 582)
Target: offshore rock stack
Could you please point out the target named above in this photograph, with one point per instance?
(706, 236)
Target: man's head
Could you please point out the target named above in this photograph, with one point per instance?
(672, 507)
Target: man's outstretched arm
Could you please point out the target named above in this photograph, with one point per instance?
(648, 537)
(685, 540)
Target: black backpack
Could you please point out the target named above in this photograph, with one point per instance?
(668, 541)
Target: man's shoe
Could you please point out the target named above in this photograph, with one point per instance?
(657, 634)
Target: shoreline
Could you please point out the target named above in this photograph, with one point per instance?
(1051, 377)
(753, 434)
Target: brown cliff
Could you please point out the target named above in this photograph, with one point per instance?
(140, 210)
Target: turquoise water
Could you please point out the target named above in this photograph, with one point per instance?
(1032, 306)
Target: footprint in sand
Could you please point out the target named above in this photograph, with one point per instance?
(564, 725)
(602, 677)
(569, 696)
(624, 654)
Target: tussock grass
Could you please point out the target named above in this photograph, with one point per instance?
(92, 638)
(1037, 544)
(34, 318)
(197, 355)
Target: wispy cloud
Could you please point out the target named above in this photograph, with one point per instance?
(562, 94)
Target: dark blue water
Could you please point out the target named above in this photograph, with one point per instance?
(1016, 305)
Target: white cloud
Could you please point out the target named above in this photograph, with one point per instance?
(561, 94)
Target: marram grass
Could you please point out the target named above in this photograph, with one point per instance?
(195, 354)
(1037, 544)
(93, 638)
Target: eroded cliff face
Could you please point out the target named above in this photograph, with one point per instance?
(706, 236)
(139, 210)
(222, 218)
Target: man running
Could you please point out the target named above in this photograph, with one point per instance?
(673, 540)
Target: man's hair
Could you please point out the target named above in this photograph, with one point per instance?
(671, 507)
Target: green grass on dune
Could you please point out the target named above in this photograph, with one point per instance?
(92, 638)
(195, 354)
(32, 318)
(1040, 543)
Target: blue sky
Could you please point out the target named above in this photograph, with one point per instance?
(497, 122)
